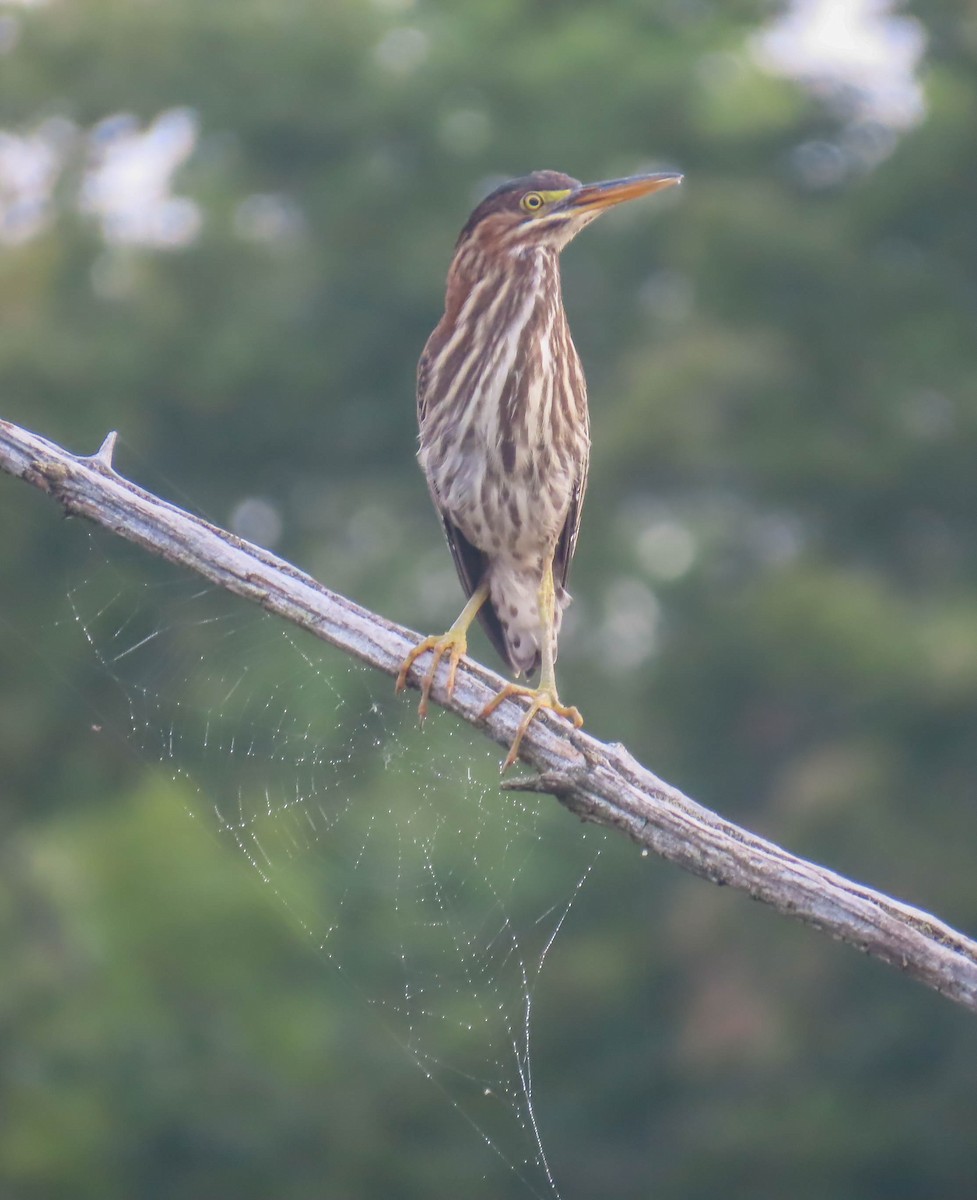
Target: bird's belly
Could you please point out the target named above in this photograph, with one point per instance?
(517, 514)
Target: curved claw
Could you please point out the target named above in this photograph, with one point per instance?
(541, 697)
(452, 644)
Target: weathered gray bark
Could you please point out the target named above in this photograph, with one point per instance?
(598, 782)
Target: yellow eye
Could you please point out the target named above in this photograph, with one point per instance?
(532, 202)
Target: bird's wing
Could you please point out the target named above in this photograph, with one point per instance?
(471, 563)
(423, 378)
(568, 537)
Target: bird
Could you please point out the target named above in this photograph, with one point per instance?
(505, 432)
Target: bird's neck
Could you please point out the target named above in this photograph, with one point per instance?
(477, 277)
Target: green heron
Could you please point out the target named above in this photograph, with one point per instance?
(504, 428)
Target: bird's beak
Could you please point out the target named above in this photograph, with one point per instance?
(593, 197)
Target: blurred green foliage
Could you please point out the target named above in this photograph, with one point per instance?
(776, 594)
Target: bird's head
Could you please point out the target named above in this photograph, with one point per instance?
(548, 209)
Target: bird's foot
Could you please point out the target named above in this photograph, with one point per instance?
(541, 697)
(454, 644)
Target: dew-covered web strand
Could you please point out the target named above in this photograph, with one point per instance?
(306, 764)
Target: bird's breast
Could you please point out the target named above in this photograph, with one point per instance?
(504, 447)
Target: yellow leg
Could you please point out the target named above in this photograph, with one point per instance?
(454, 643)
(544, 696)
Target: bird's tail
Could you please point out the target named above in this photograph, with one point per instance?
(514, 596)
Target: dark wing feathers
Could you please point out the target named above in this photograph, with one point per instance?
(470, 564)
(423, 374)
(568, 537)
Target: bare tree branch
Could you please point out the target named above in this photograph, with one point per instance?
(598, 782)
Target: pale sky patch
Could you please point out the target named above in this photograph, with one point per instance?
(865, 46)
(128, 185)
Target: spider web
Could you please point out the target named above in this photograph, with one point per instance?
(309, 767)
